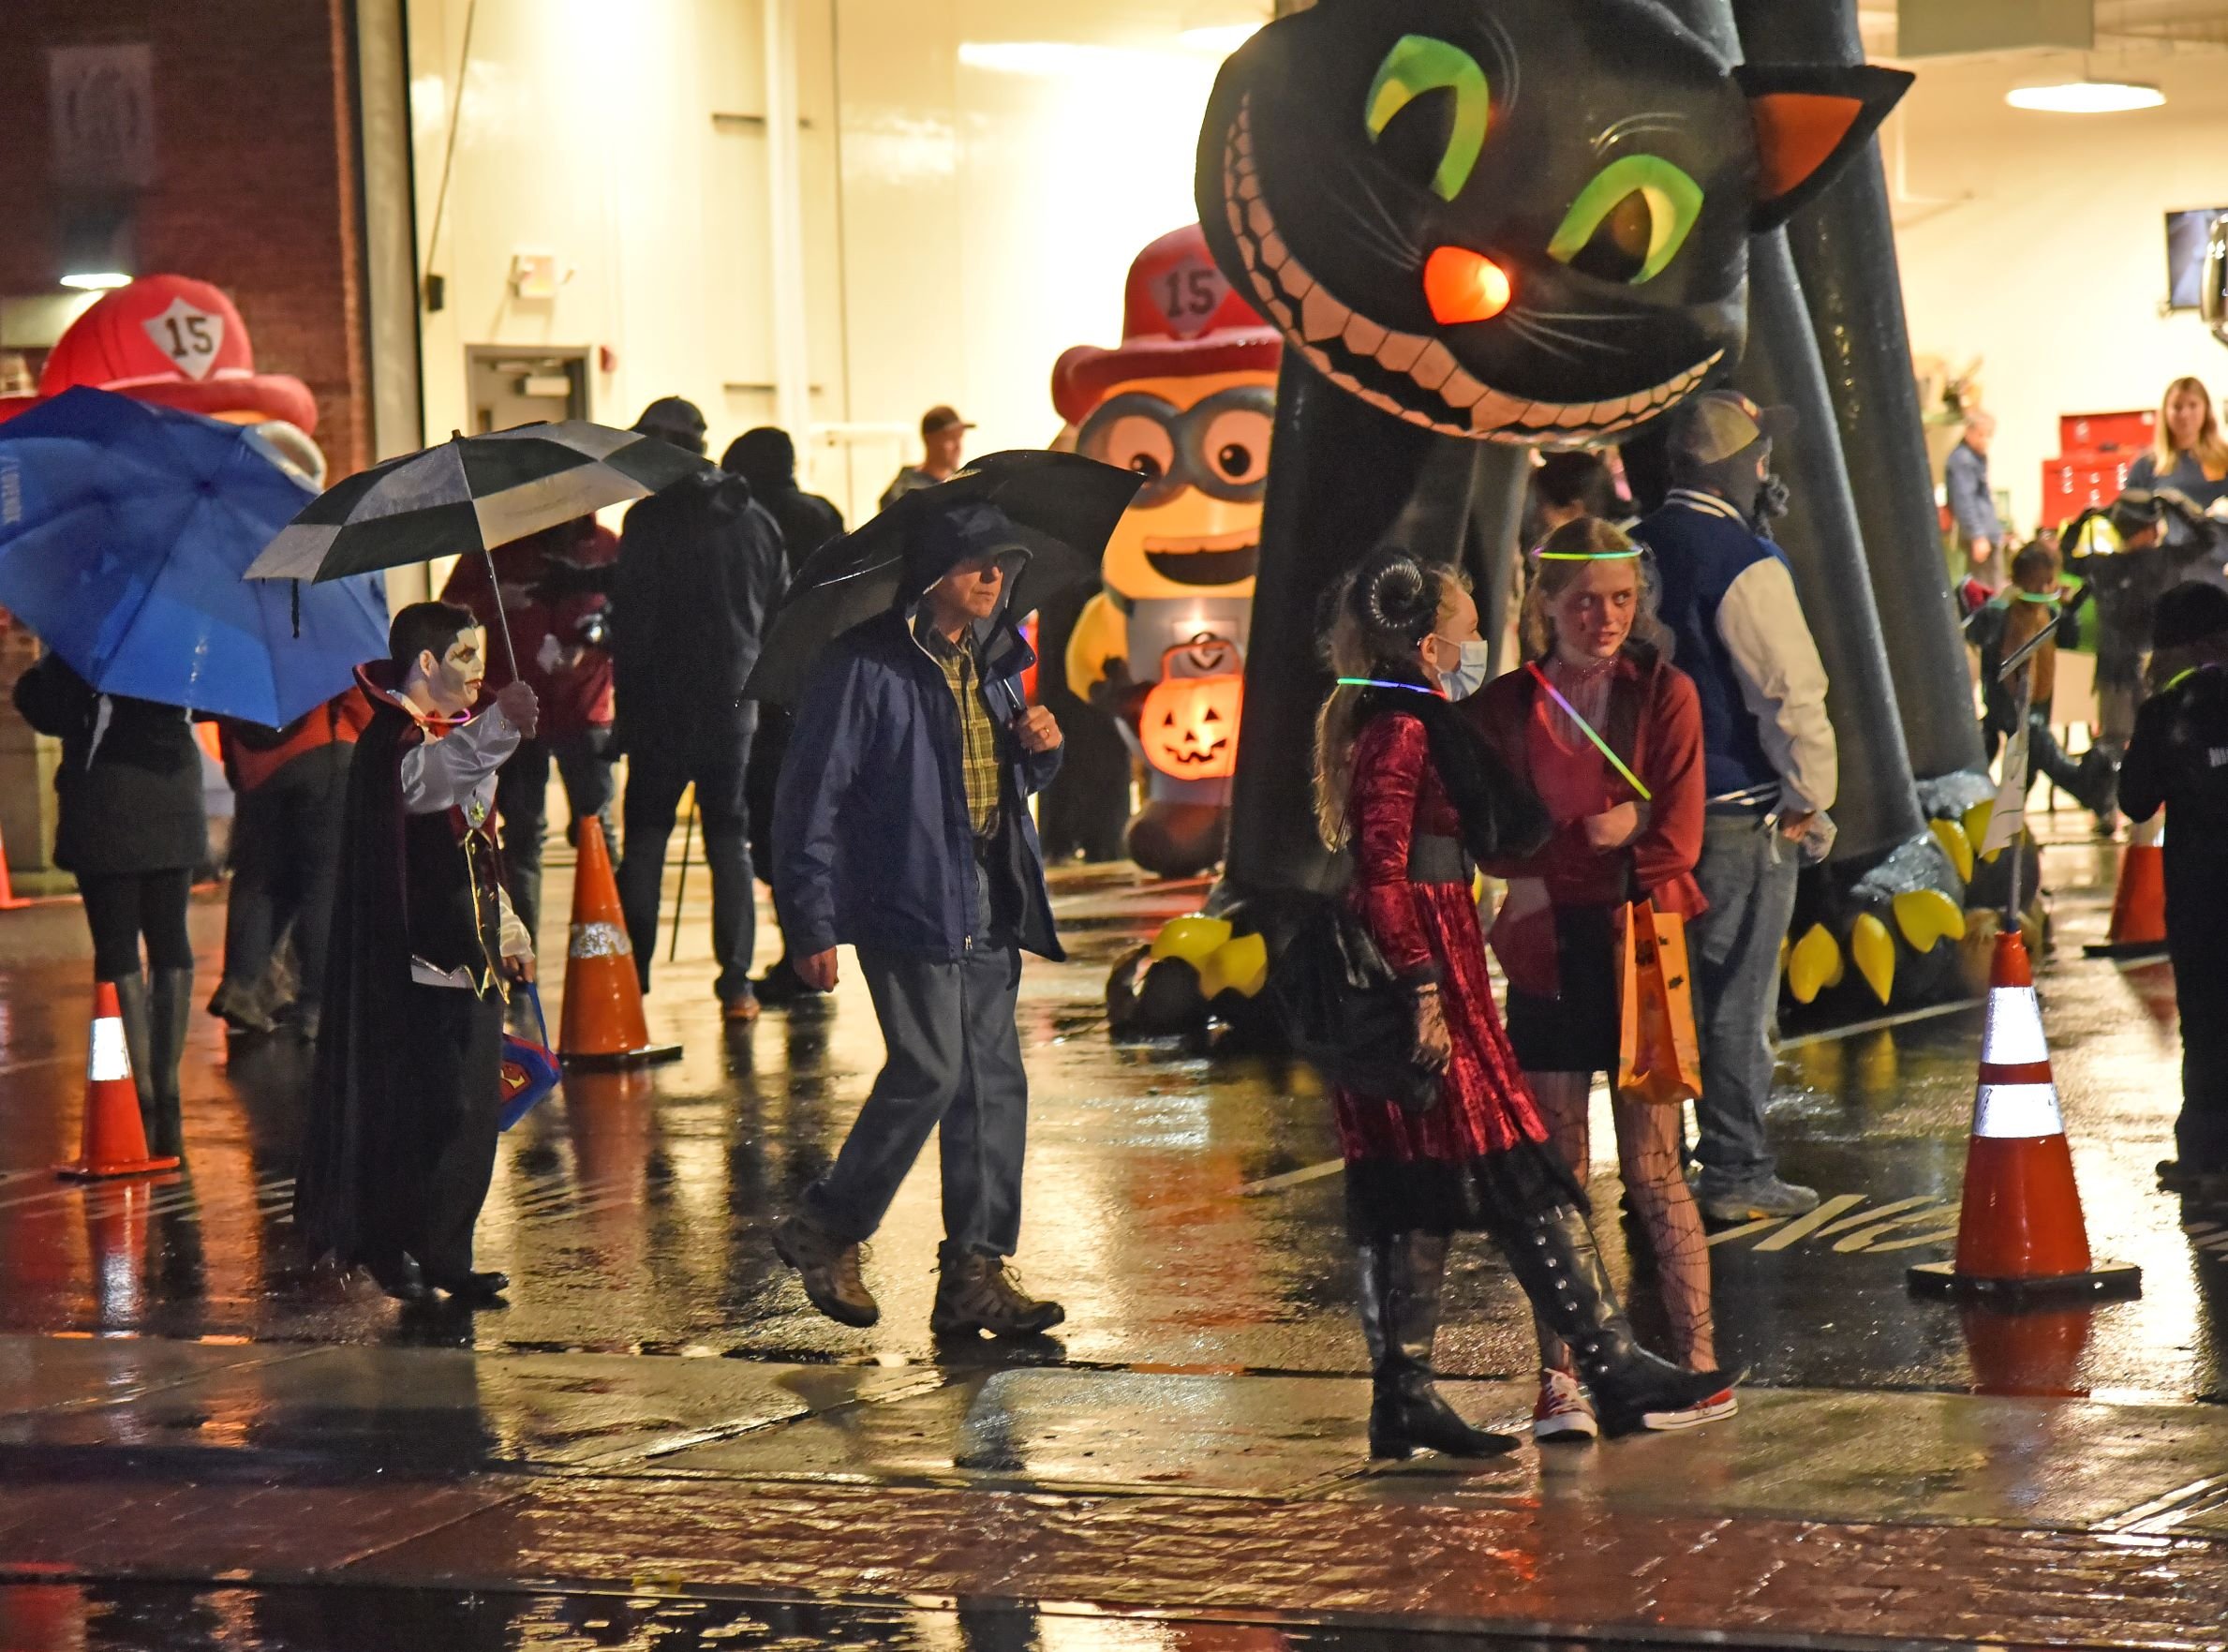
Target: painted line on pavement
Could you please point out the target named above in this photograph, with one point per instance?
(1802, 1039)
(1292, 1177)
(1810, 1222)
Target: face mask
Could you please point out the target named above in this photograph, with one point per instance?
(1469, 677)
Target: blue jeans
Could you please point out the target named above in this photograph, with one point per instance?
(955, 1067)
(1748, 876)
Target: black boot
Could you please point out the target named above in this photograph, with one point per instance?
(170, 1012)
(1401, 1277)
(1552, 1254)
(138, 1042)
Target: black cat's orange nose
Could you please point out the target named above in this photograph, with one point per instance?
(1465, 286)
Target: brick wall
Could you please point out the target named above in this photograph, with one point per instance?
(256, 186)
(255, 191)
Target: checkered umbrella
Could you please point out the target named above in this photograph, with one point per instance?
(472, 493)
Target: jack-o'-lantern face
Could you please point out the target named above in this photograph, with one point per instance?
(1189, 725)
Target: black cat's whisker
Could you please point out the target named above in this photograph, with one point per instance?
(1538, 336)
(1593, 318)
(1537, 328)
(1633, 126)
(1383, 229)
(1379, 237)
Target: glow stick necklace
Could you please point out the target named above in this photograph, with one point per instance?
(1588, 729)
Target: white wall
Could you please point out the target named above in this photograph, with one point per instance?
(588, 130)
(2040, 243)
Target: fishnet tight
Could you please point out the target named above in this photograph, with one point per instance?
(1648, 1158)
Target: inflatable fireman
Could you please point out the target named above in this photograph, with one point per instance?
(179, 342)
(1188, 400)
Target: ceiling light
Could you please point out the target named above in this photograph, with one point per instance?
(2085, 98)
(95, 280)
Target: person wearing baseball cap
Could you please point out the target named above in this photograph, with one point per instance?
(943, 433)
(2174, 762)
(1770, 768)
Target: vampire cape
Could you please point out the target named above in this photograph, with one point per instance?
(360, 1189)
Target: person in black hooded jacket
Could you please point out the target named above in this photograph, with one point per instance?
(699, 571)
(767, 459)
(2178, 761)
(131, 824)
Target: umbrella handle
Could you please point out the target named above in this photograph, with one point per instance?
(503, 621)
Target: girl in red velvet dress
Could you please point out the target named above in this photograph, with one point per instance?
(1418, 794)
(1591, 632)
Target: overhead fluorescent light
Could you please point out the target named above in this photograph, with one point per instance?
(2087, 98)
(95, 280)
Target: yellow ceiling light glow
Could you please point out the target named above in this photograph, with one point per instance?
(2086, 97)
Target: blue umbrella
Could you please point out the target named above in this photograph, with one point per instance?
(124, 528)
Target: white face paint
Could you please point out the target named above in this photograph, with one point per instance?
(452, 681)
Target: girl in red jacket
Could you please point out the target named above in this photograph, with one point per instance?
(1596, 654)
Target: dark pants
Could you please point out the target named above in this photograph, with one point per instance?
(286, 862)
(654, 785)
(584, 763)
(455, 1039)
(2201, 994)
(954, 1067)
(122, 907)
(1747, 874)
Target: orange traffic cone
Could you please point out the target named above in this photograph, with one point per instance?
(9, 899)
(2021, 1237)
(114, 1141)
(602, 1024)
(2139, 903)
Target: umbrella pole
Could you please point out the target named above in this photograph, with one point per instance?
(680, 894)
(503, 621)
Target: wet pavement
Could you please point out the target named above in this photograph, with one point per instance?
(193, 1426)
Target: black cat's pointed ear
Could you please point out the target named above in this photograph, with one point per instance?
(1809, 120)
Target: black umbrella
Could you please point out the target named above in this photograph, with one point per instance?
(1059, 510)
(470, 495)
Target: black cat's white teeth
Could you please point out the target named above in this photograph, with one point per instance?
(1310, 314)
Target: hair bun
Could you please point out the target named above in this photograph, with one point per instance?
(1395, 597)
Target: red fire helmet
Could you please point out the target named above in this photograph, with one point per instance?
(1179, 319)
(173, 340)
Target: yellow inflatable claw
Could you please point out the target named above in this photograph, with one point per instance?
(1192, 939)
(1976, 829)
(1951, 835)
(1814, 963)
(1927, 917)
(1873, 949)
(1240, 965)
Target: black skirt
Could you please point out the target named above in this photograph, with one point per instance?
(1576, 1031)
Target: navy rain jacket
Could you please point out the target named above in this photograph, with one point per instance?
(874, 844)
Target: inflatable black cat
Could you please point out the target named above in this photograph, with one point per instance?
(1525, 221)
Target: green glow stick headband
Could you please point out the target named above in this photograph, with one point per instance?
(1587, 556)
(1378, 682)
(1586, 728)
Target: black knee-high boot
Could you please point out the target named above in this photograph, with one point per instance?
(1401, 1278)
(139, 1041)
(171, 1005)
(1551, 1253)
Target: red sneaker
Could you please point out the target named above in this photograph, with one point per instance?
(1563, 1412)
(1721, 1404)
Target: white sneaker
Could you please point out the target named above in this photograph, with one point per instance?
(1563, 1411)
(1721, 1404)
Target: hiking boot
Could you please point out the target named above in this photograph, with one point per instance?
(1758, 1199)
(975, 1292)
(828, 1268)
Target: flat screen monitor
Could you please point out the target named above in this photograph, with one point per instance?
(2186, 235)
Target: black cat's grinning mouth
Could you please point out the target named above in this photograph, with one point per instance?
(1373, 360)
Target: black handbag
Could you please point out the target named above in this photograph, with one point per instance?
(1347, 1014)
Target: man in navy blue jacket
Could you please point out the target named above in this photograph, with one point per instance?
(1768, 759)
(901, 826)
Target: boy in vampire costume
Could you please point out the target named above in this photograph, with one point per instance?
(402, 1129)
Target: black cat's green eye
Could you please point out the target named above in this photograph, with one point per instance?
(1630, 221)
(1418, 65)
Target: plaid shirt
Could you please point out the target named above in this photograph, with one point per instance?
(978, 736)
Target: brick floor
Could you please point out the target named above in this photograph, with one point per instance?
(1504, 1566)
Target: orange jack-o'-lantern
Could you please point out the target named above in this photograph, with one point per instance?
(1189, 723)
